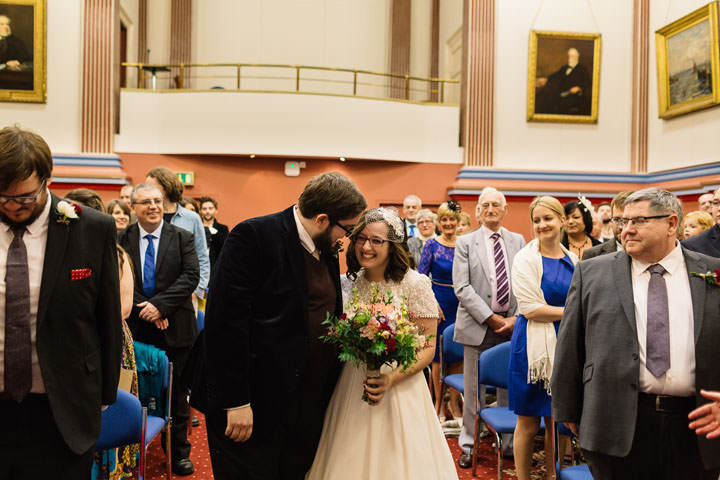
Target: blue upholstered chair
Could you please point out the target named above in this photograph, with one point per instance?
(451, 352)
(493, 371)
(573, 472)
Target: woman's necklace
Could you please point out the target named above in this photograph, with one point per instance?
(579, 247)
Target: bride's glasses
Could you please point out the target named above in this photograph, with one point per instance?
(374, 241)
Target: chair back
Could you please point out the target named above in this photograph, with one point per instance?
(493, 366)
(452, 351)
(121, 422)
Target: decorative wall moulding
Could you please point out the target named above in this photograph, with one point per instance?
(688, 66)
(22, 51)
(563, 77)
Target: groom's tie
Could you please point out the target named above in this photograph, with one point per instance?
(18, 363)
(658, 323)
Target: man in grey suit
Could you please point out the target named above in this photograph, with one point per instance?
(487, 309)
(614, 244)
(631, 358)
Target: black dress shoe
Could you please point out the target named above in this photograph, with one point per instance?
(183, 467)
(465, 460)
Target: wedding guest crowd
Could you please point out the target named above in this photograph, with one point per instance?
(619, 347)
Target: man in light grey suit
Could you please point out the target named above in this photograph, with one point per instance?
(487, 309)
(637, 341)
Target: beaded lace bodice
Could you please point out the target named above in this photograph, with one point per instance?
(415, 287)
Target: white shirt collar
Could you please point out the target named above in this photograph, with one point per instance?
(42, 220)
(305, 239)
(489, 233)
(671, 262)
(155, 233)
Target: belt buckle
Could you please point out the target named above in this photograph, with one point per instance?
(658, 405)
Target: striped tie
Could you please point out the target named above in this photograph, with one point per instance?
(503, 286)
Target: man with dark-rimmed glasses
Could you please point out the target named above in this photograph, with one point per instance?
(60, 336)
(270, 378)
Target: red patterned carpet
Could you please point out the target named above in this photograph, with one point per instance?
(203, 471)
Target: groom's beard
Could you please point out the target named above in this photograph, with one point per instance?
(323, 241)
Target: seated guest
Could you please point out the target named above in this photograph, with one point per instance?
(614, 244)
(425, 222)
(120, 211)
(696, 222)
(463, 224)
(578, 226)
(708, 242)
(87, 197)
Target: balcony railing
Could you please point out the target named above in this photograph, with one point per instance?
(259, 77)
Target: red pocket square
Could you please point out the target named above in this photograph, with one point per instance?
(79, 273)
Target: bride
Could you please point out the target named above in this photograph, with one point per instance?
(398, 437)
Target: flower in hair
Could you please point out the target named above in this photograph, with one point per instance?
(585, 203)
(454, 206)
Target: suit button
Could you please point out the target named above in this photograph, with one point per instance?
(635, 356)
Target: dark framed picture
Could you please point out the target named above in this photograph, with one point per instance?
(22, 51)
(563, 77)
(687, 63)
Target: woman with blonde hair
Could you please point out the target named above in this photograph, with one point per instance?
(696, 222)
(541, 275)
(436, 262)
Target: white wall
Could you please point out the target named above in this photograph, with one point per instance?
(158, 36)
(223, 122)
(690, 139)
(420, 47)
(129, 16)
(58, 120)
(451, 17)
(327, 33)
(519, 144)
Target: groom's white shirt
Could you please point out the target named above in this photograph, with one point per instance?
(305, 239)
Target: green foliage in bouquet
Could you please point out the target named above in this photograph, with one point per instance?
(376, 333)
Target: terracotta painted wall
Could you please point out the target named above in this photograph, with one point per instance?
(247, 187)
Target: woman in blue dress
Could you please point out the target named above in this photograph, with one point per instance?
(541, 275)
(436, 261)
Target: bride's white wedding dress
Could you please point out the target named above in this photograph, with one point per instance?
(401, 437)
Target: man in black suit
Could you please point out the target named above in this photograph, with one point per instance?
(269, 377)
(568, 91)
(218, 231)
(613, 244)
(708, 242)
(60, 325)
(166, 274)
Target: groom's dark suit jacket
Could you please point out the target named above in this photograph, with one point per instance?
(79, 336)
(256, 321)
(597, 368)
(176, 276)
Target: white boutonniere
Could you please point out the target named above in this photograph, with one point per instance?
(67, 212)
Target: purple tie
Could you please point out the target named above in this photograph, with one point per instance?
(503, 286)
(658, 323)
(18, 367)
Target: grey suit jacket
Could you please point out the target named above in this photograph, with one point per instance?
(471, 278)
(608, 246)
(597, 367)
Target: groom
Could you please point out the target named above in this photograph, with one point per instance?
(269, 377)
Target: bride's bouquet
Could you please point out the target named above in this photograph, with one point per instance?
(376, 333)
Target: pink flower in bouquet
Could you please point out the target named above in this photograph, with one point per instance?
(369, 331)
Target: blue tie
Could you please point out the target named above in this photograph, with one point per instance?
(149, 268)
(412, 229)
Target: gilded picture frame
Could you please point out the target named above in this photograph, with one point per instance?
(688, 66)
(23, 51)
(563, 77)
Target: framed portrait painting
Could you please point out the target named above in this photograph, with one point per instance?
(22, 50)
(563, 77)
(687, 63)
